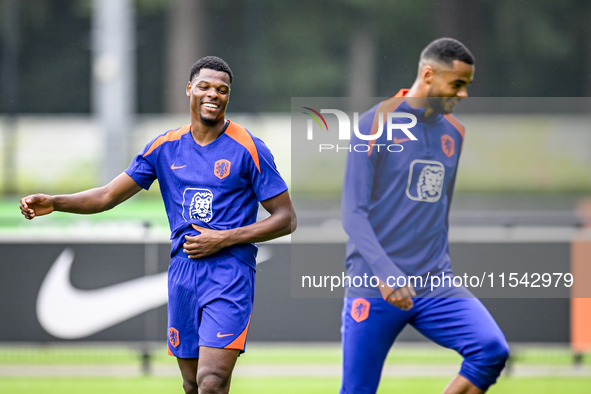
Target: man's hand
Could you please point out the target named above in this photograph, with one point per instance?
(36, 205)
(282, 221)
(402, 297)
(89, 201)
(204, 244)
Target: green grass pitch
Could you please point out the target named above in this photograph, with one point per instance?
(274, 385)
(267, 356)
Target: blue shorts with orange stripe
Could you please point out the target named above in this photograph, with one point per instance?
(210, 301)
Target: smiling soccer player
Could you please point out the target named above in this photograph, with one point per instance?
(212, 174)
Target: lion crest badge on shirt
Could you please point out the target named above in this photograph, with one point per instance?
(221, 168)
(425, 180)
(197, 204)
(448, 145)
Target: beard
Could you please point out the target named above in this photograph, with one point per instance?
(207, 121)
(438, 105)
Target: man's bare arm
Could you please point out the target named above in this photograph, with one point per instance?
(282, 221)
(89, 201)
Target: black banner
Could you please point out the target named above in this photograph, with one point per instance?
(117, 292)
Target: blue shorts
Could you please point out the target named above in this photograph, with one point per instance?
(210, 301)
(370, 326)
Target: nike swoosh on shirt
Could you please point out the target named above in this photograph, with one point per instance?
(220, 335)
(70, 313)
(173, 167)
(399, 141)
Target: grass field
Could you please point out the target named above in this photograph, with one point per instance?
(264, 357)
(282, 385)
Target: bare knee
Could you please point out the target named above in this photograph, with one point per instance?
(213, 382)
(190, 386)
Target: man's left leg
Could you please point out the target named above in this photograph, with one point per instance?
(464, 324)
(215, 369)
(226, 295)
(210, 375)
(209, 321)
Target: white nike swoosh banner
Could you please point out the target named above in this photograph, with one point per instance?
(69, 313)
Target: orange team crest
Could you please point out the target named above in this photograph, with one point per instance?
(448, 145)
(221, 168)
(173, 336)
(360, 309)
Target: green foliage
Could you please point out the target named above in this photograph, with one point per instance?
(281, 49)
(152, 6)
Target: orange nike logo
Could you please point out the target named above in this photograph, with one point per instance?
(173, 167)
(399, 141)
(220, 335)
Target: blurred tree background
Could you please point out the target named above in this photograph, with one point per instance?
(55, 137)
(279, 49)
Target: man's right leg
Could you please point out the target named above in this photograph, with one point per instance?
(183, 313)
(188, 367)
(369, 327)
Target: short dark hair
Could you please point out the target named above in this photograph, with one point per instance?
(446, 50)
(212, 63)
